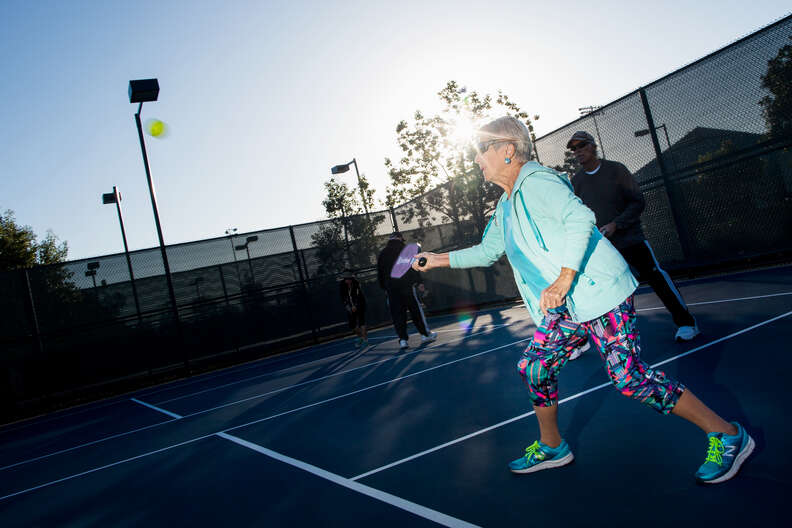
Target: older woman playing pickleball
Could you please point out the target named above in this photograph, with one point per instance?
(575, 284)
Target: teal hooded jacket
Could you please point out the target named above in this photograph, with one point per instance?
(543, 227)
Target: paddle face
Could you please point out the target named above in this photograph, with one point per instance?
(405, 260)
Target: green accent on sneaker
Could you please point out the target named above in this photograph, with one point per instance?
(534, 451)
(725, 455)
(539, 456)
(715, 451)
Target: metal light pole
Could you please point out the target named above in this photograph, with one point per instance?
(246, 247)
(338, 169)
(231, 232)
(594, 111)
(91, 272)
(115, 197)
(141, 91)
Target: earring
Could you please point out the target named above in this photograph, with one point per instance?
(507, 160)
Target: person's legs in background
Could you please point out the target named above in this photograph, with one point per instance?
(643, 260)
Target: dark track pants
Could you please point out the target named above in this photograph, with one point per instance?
(645, 264)
(401, 300)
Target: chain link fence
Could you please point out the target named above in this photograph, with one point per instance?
(709, 145)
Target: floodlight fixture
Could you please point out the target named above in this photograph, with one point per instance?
(143, 90)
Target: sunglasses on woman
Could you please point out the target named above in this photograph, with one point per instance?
(484, 146)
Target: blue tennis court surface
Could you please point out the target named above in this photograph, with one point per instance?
(336, 436)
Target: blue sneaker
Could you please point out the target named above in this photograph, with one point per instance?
(725, 455)
(539, 456)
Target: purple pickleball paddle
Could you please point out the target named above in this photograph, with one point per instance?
(405, 260)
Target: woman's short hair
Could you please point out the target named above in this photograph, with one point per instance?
(514, 131)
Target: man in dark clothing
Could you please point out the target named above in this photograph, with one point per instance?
(608, 189)
(355, 303)
(401, 293)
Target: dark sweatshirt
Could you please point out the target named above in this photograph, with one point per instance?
(385, 261)
(614, 196)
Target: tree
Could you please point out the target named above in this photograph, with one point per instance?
(777, 107)
(19, 247)
(438, 155)
(348, 238)
(570, 166)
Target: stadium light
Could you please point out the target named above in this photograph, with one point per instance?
(246, 247)
(339, 169)
(115, 198)
(141, 91)
(91, 271)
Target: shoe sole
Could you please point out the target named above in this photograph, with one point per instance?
(738, 462)
(691, 338)
(550, 464)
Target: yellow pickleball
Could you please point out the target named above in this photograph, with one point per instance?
(156, 128)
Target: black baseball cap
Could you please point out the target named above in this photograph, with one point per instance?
(581, 135)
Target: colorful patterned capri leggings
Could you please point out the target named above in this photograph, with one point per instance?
(616, 337)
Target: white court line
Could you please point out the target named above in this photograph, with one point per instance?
(119, 435)
(721, 301)
(94, 442)
(255, 421)
(398, 502)
(376, 385)
(314, 380)
(112, 437)
(414, 456)
(100, 468)
(573, 397)
(163, 411)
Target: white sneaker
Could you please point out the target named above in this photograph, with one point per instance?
(428, 339)
(579, 351)
(403, 343)
(686, 333)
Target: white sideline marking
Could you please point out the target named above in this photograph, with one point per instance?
(106, 438)
(94, 470)
(573, 397)
(261, 396)
(578, 395)
(308, 406)
(721, 301)
(255, 421)
(163, 411)
(398, 502)
(308, 382)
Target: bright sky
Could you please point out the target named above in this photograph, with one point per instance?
(263, 97)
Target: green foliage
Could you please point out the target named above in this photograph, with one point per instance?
(777, 107)
(19, 247)
(570, 166)
(437, 157)
(348, 239)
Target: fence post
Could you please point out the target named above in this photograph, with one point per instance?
(303, 286)
(678, 225)
(393, 219)
(32, 304)
(222, 281)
